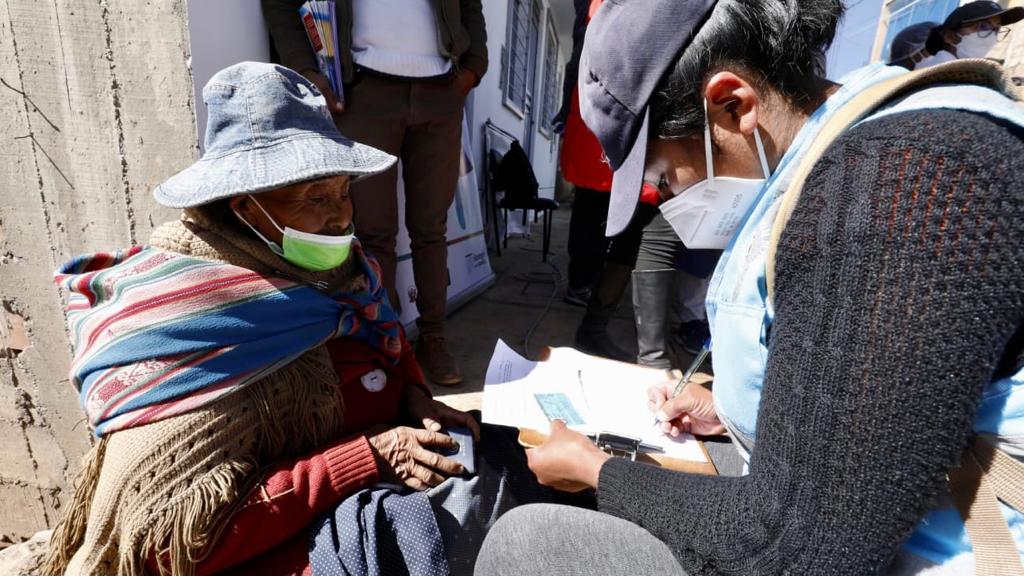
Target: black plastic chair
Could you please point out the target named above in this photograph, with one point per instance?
(512, 174)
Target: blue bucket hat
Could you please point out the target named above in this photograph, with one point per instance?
(629, 47)
(268, 127)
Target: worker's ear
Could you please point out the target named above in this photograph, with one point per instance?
(733, 103)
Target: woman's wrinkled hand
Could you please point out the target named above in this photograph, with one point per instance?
(404, 456)
(567, 461)
(692, 411)
(433, 415)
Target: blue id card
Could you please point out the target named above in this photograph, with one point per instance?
(558, 407)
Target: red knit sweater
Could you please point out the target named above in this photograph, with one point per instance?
(269, 534)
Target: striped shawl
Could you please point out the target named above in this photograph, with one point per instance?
(195, 396)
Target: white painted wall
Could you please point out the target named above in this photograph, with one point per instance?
(487, 100)
(855, 38)
(222, 33)
(546, 148)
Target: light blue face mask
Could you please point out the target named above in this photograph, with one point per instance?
(314, 252)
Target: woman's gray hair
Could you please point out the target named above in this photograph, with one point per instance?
(781, 42)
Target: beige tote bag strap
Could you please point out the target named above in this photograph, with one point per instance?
(977, 72)
(985, 476)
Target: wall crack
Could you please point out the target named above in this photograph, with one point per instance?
(115, 88)
(35, 156)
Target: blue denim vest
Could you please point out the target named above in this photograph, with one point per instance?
(739, 311)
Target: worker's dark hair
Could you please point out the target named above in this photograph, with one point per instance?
(782, 42)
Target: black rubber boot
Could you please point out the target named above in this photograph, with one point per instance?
(592, 335)
(652, 302)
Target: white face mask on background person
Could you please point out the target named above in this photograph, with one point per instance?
(974, 46)
(706, 215)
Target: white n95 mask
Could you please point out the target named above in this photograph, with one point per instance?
(706, 215)
(974, 46)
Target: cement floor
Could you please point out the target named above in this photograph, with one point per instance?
(516, 310)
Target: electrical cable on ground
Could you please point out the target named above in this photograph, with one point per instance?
(554, 278)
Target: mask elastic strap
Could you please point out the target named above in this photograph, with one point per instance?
(707, 148)
(761, 155)
(707, 144)
(273, 245)
(260, 206)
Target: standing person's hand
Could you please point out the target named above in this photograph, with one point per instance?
(324, 85)
(403, 457)
(692, 411)
(465, 81)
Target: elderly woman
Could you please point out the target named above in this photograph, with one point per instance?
(248, 382)
(867, 315)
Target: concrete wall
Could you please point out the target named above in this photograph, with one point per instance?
(96, 108)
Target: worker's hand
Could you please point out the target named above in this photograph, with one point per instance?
(433, 415)
(465, 81)
(335, 106)
(404, 457)
(567, 461)
(692, 411)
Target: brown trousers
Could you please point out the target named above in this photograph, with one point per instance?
(420, 122)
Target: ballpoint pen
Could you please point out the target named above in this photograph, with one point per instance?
(698, 360)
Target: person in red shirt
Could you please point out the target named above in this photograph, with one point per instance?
(599, 266)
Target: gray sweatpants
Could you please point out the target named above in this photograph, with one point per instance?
(548, 539)
(554, 540)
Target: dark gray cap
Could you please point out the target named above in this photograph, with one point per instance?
(629, 46)
(907, 45)
(982, 10)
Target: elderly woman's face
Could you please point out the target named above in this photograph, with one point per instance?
(315, 206)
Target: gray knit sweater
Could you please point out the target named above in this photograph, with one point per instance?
(900, 289)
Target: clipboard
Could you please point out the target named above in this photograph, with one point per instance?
(529, 438)
(522, 408)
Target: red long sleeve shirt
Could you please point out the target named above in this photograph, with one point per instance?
(269, 534)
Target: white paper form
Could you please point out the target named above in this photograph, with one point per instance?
(513, 383)
(610, 396)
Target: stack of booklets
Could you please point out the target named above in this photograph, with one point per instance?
(321, 24)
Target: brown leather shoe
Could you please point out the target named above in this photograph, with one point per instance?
(437, 363)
